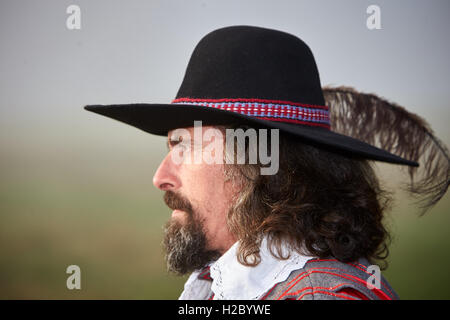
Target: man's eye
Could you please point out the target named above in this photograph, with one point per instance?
(179, 144)
(171, 143)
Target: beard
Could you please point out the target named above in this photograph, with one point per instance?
(185, 243)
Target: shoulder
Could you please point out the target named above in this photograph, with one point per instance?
(330, 279)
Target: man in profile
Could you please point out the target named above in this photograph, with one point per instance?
(312, 228)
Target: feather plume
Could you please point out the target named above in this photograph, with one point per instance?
(391, 127)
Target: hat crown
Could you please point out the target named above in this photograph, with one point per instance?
(251, 75)
(252, 63)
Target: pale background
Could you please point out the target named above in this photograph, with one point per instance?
(75, 187)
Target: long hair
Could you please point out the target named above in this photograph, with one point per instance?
(324, 203)
(320, 203)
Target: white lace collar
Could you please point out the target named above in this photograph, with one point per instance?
(234, 281)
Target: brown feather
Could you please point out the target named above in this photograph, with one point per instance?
(391, 127)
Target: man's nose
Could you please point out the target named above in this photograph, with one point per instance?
(166, 177)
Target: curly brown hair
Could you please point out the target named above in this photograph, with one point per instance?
(322, 203)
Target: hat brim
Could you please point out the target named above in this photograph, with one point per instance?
(159, 119)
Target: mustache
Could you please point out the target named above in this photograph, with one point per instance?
(177, 202)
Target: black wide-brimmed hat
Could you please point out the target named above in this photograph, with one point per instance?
(251, 75)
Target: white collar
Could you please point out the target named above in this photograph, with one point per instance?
(234, 281)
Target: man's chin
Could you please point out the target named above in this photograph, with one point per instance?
(185, 246)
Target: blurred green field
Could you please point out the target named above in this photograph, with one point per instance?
(94, 205)
(96, 208)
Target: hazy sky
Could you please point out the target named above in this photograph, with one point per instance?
(137, 51)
